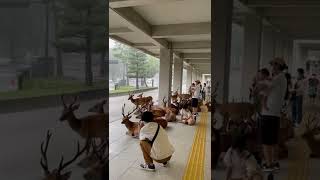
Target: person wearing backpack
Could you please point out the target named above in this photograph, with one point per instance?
(154, 142)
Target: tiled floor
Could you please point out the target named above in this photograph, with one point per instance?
(125, 154)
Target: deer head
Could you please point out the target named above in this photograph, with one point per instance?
(126, 118)
(98, 108)
(68, 109)
(98, 170)
(56, 174)
(130, 96)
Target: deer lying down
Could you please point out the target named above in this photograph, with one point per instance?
(133, 127)
(56, 174)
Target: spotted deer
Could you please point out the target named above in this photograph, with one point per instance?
(56, 174)
(88, 127)
(98, 170)
(133, 127)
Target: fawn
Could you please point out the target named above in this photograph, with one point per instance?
(98, 170)
(133, 127)
(56, 174)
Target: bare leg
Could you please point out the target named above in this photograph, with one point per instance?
(267, 151)
(275, 153)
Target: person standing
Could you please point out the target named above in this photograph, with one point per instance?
(195, 99)
(204, 91)
(313, 87)
(270, 119)
(297, 97)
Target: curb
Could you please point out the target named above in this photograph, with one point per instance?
(27, 104)
(133, 91)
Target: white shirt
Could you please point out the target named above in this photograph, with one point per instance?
(148, 131)
(276, 96)
(196, 93)
(185, 114)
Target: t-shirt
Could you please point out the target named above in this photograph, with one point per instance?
(196, 93)
(276, 96)
(242, 164)
(185, 114)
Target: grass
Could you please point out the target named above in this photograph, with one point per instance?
(45, 87)
(123, 89)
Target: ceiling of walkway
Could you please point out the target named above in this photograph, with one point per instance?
(296, 18)
(148, 25)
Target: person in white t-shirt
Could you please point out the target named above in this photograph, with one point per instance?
(270, 119)
(195, 98)
(186, 115)
(240, 163)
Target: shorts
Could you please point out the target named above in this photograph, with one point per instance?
(270, 126)
(194, 102)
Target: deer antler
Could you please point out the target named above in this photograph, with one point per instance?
(44, 160)
(75, 98)
(79, 152)
(123, 110)
(129, 113)
(63, 102)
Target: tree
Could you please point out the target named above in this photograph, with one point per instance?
(151, 68)
(82, 29)
(134, 59)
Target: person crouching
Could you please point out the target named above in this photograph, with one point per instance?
(154, 143)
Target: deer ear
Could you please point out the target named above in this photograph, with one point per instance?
(129, 117)
(66, 175)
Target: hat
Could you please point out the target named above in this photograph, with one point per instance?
(278, 60)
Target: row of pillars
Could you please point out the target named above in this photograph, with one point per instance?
(260, 45)
(171, 74)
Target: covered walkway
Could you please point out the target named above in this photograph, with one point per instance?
(178, 32)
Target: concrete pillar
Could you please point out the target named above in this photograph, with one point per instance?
(165, 75)
(290, 55)
(221, 47)
(189, 76)
(267, 49)
(279, 45)
(178, 70)
(252, 45)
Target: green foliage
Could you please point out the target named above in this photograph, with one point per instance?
(138, 62)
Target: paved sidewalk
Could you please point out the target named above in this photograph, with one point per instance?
(125, 155)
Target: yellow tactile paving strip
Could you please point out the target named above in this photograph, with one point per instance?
(195, 165)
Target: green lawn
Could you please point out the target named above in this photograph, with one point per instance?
(123, 89)
(44, 87)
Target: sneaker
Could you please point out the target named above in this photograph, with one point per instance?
(276, 165)
(267, 168)
(148, 167)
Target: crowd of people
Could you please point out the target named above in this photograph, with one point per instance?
(274, 92)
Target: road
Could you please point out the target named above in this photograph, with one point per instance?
(21, 134)
(116, 103)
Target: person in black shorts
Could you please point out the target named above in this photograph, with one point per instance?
(270, 119)
(195, 98)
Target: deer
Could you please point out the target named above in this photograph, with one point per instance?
(174, 96)
(140, 101)
(133, 127)
(171, 113)
(88, 127)
(184, 96)
(98, 170)
(312, 128)
(56, 174)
